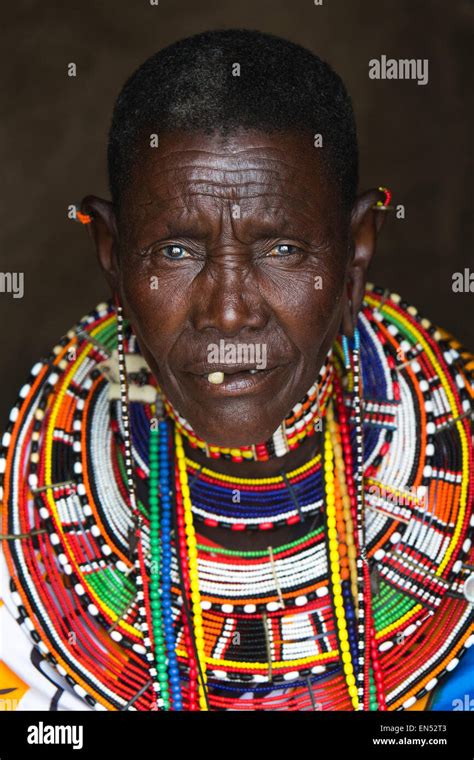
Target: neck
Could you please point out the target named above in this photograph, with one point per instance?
(258, 540)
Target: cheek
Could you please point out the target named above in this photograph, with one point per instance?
(156, 307)
(307, 303)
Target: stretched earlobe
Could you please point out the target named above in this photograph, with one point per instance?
(368, 215)
(104, 232)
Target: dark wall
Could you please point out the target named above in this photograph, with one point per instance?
(413, 138)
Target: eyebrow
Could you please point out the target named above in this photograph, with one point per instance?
(273, 222)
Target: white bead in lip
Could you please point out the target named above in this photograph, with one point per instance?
(216, 378)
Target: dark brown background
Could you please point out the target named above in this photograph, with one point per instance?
(413, 139)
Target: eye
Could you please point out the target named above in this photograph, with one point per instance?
(283, 249)
(174, 252)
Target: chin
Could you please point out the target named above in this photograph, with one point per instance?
(231, 434)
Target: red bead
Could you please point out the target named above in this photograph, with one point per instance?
(212, 523)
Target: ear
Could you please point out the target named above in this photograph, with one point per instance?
(366, 222)
(103, 230)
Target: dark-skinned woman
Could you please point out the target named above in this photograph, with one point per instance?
(244, 482)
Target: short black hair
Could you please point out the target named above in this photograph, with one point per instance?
(190, 85)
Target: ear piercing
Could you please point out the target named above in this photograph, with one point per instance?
(80, 217)
(384, 205)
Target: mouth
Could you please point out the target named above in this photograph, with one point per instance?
(234, 382)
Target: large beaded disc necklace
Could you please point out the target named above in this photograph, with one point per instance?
(137, 611)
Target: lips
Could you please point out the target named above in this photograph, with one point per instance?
(236, 381)
(205, 368)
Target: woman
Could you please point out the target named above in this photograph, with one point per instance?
(245, 481)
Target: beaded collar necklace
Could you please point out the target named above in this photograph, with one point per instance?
(231, 502)
(369, 610)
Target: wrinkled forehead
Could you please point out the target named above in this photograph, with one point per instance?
(251, 170)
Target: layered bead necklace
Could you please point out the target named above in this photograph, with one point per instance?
(137, 611)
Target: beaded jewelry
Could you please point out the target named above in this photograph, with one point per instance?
(369, 610)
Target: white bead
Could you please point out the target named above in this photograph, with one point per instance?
(273, 606)
(468, 588)
(301, 600)
(36, 368)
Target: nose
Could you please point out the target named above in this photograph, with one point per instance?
(228, 299)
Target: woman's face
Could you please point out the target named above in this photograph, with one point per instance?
(233, 253)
